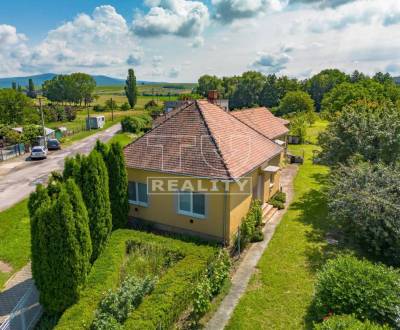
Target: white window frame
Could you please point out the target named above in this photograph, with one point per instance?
(137, 202)
(191, 213)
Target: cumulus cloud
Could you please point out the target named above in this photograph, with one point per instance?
(226, 11)
(100, 40)
(197, 42)
(270, 63)
(184, 18)
(364, 12)
(13, 49)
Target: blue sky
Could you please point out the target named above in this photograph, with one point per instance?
(179, 40)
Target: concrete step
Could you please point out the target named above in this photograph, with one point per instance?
(268, 212)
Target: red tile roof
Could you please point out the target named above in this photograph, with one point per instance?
(201, 140)
(262, 120)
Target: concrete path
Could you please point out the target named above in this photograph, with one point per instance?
(18, 179)
(248, 265)
(19, 302)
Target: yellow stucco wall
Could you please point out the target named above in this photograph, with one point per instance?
(232, 207)
(163, 209)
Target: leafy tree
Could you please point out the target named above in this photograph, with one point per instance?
(135, 124)
(276, 88)
(383, 78)
(296, 102)
(248, 91)
(61, 245)
(12, 106)
(95, 191)
(30, 134)
(229, 86)
(357, 76)
(367, 129)
(366, 90)
(31, 89)
(111, 104)
(207, 83)
(298, 126)
(131, 89)
(364, 201)
(318, 85)
(83, 86)
(118, 184)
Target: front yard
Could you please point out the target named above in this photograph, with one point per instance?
(280, 292)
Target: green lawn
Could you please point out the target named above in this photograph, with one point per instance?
(280, 292)
(15, 238)
(122, 138)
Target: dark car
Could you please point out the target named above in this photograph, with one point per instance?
(53, 144)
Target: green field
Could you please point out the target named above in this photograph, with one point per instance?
(280, 292)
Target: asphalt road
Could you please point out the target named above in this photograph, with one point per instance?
(21, 180)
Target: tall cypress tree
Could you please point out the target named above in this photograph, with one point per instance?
(31, 89)
(95, 192)
(118, 185)
(61, 249)
(130, 88)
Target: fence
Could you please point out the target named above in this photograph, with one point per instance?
(12, 151)
(26, 313)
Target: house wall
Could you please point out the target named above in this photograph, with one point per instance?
(162, 209)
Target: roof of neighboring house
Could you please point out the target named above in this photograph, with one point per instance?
(201, 140)
(262, 120)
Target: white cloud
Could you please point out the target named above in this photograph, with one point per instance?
(174, 72)
(197, 42)
(364, 12)
(229, 10)
(100, 40)
(12, 50)
(270, 63)
(182, 18)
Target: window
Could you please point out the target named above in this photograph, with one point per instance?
(137, 193)
(192, 204)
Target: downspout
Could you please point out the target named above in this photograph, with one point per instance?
(225, 215)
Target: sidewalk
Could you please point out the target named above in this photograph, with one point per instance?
(248, 265)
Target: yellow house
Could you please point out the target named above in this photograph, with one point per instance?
(198, 170)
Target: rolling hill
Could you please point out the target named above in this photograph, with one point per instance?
(39, 79)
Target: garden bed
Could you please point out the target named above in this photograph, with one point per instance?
(178, 266)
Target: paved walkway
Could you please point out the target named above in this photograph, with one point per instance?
(19, 302)
(247, 266)
(18, 179)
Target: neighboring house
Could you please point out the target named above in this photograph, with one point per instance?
(262, 120)
(199, 169)
(50, 134)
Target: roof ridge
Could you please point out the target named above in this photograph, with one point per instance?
(213, 139)
(162, 123)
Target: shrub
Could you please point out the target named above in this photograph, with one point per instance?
(277, 204)
(363, 199)
(250, 228)
(218, 271)
(125, 106)
(120, 303)
(98, 108)
(150, 104)
(135, 124)
(347, 285)
(348, 322)
(280, 196)
(201, 297)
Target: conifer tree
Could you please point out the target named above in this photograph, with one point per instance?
(95, 192)
(130, 88)
(118, 185)
(61, 245)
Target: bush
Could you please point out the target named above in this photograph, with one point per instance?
(125, 106)
(348, 322)
(150, 104)
(218, 271)
(250, 228)
(363, 199)
(201, 297)
(280, 196)
(277, 204)
(98, 108)
(119, 304)
(135, 124)
(347, 285)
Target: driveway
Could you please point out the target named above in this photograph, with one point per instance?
(18, 179)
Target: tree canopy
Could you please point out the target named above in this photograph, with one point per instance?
(13, 106)
(131, 89)
(296, 102)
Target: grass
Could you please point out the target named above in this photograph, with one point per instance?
(15, 238)
(122, 138)
(280, 292)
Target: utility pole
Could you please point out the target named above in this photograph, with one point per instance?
(43, 129)
(88, 119)
(112, 110)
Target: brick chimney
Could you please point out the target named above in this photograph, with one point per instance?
(212, 96)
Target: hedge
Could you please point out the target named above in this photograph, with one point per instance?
(165, 304)
(348, 322)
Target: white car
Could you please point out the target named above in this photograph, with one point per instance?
(39, 152)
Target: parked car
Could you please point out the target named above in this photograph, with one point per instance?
(53, 144)
(39, 152)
